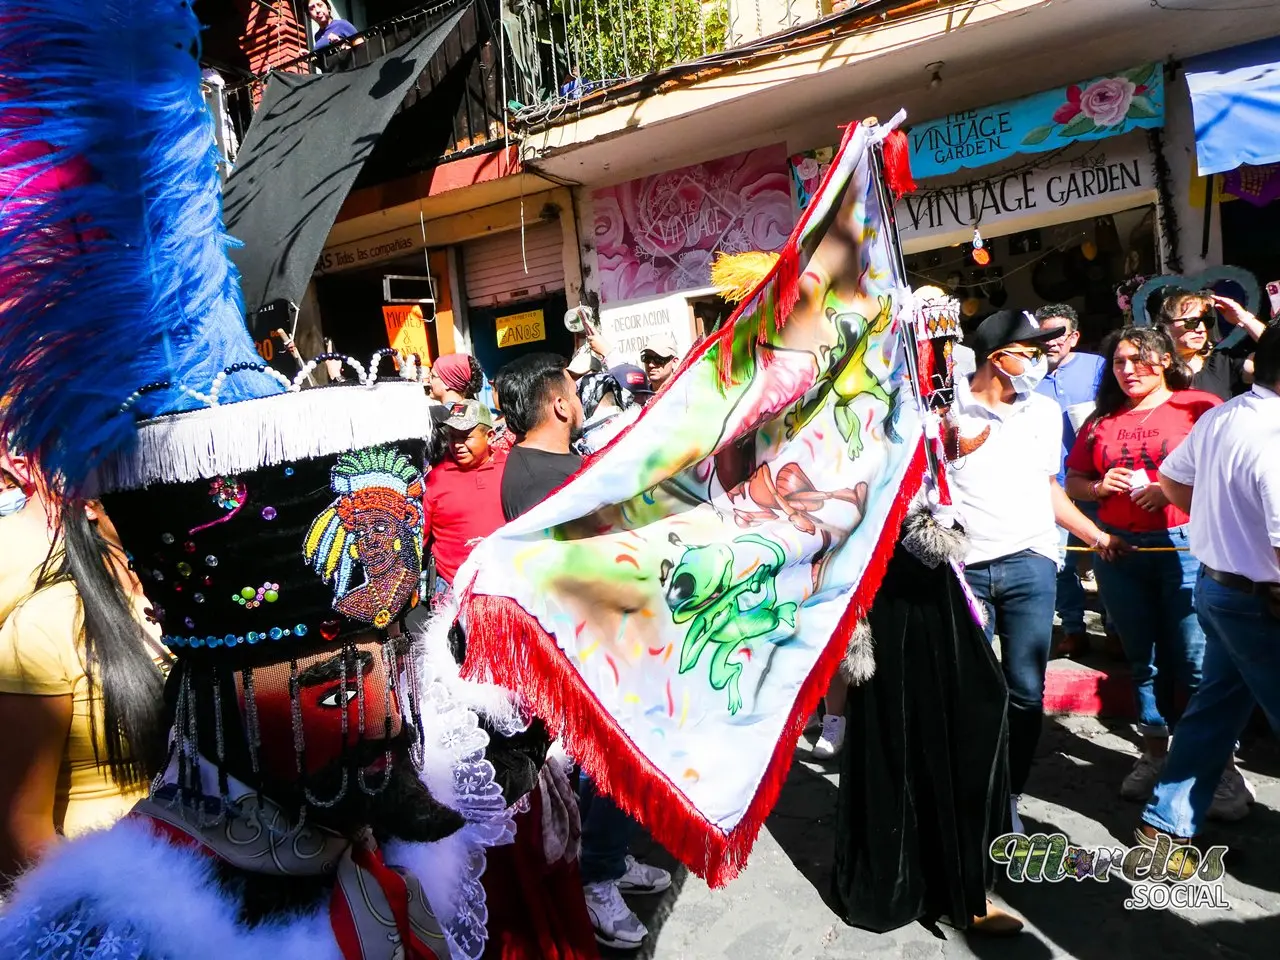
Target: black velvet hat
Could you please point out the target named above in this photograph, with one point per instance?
(290, 518)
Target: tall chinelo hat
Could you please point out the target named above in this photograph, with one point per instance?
(254, 511)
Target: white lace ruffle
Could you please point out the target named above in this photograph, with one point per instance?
(478, 798)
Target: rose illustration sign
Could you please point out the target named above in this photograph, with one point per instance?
(1091, 110)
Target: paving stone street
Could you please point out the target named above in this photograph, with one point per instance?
(776, 908)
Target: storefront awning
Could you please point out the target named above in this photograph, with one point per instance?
(1235, 98)
(308, 140)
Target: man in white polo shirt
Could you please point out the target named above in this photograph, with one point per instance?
(1231, 459)
(1004, 450)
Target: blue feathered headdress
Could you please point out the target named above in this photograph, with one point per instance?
(113, 260)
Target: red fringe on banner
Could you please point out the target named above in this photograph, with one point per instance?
(897, 165)
(507, 645)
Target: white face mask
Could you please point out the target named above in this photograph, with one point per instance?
(1033, 371)
(12, 501)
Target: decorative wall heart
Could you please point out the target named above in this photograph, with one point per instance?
(1234, 282)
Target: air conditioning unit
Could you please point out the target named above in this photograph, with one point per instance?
(403, 288)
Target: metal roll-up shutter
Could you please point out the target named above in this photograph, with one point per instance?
(494, 267)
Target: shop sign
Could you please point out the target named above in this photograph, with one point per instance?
(358, 253)
(658, 235)
(627, 329)
(948, 214)
(406, 329)
(518, 328)
(1091, 110)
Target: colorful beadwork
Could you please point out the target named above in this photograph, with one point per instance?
(250, 598)
(234, 639)
(372, 528)
(268, 513)
(227, 492)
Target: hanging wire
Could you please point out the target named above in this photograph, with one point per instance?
(595, 6)
(702, 25)
(568, 53)
(653, 52)
(622, 24)
(675, 31)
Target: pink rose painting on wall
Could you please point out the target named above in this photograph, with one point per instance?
(658, 235)
(1104, 104)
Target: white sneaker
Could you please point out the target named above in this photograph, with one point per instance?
(614, 923)
(1142, 778)
(643, 878)
(1015, 821)
(832, 739)
(1231, 797)
(1240, 781)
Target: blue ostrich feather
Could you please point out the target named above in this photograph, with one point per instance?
(114, 271)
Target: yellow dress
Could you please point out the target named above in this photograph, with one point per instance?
(41, 654)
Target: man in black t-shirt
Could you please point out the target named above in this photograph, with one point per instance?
(541, 405)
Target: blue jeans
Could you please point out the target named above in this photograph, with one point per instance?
(1241, 671)
(1070, 601)
(1018, 593)
(606, 835)
(1151, 598)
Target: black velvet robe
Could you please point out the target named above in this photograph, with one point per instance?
(923, 774)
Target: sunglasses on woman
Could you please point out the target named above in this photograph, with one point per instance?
(1189, 323)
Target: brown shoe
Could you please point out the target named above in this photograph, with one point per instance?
(1146, 835)
(996, 923)
(1071, 645)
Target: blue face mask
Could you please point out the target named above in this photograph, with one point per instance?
(12, 501)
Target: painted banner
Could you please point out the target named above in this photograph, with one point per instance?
(675, 610)
(1102, 107)
(659, 234)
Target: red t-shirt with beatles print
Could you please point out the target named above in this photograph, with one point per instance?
(1138, 440)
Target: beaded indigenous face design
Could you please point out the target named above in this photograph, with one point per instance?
(375, 525)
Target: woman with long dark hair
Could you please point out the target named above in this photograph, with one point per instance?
(1146, 408)
(82, 680)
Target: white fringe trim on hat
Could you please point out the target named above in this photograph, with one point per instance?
(240, 437)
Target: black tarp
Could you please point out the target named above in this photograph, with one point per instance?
(305, 147)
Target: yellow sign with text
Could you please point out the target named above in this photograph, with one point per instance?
(406, 329)
(527, 327)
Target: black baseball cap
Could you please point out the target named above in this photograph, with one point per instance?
(1005, 327)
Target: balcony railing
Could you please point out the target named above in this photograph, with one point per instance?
(515, 62)
(467, 69)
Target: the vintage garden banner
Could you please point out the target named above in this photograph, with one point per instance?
(676, 609)
(1090, 110)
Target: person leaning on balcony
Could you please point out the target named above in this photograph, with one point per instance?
(330, 28)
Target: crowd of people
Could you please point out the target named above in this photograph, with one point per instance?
(1049, 448)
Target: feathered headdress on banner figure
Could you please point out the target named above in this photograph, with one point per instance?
(676, 608)
(276, 531)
